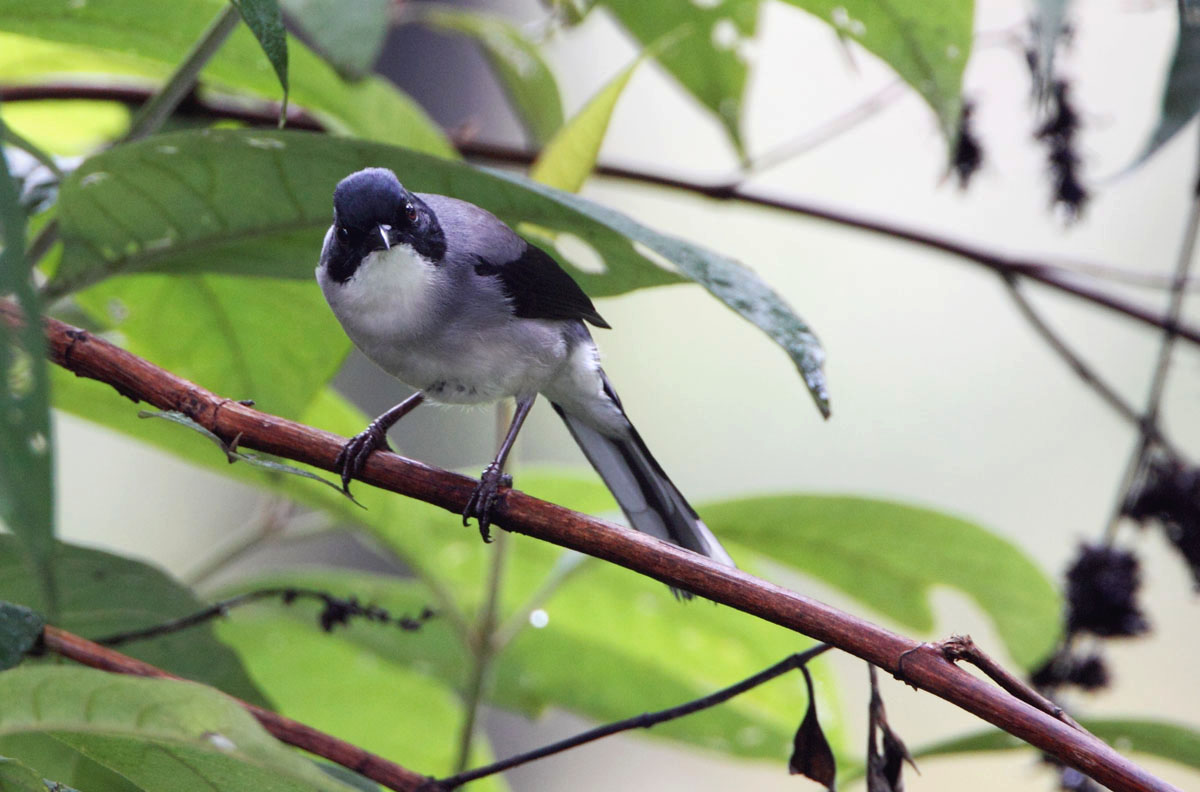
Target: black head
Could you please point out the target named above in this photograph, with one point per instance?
(372, 211)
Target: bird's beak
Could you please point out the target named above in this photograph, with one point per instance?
(384, 230)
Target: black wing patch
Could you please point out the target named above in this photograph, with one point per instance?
(540, 289)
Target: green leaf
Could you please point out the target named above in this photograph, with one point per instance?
(926, 42)
(211, 201)
(1181, 94)
(147, 38)
(349, 35)
(711, 61)
(1173, 741)
(637, 648)
(59, 761)
(223, 333)
(160, 734)
(17, 777)
(889, 555)
(265, 21)
(570, 156)
(331, 683)
(110, 594)
(517, 63)
(26, 442)
(20, 629)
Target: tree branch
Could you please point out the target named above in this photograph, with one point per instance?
(923, 667)
(365, 763)
(267, 114)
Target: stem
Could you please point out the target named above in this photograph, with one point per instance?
(643, 721)
(25, 144)
(1162, 367)
(152, 114)
(42, 243)
(1084, 371)
(484, 648)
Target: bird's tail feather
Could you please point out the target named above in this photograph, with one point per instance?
(647, 497)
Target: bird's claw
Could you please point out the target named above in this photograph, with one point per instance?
(353, 457)
(484, 498)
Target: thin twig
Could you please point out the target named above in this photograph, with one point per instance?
(643, 721)
(15, 138)
(337, 611)
(89, 356)
(292, 732)
(962, 647)
(1158, 381)
(827, 130)
(159, 108)
(1084, 371)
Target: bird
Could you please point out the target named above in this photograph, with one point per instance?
(447, 298)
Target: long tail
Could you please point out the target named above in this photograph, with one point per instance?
(647, 497)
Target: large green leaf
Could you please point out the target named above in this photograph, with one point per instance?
(637, 648)
(160, 734)
(1181, 94)
(110, 594)
(889, 555)
(145, 36)
(710, 62)
(926, 42)
(349, 35)
(332, 683)
(515, 60)
(258, 203)
(26, 444)
(225, 333)
(1173, 741)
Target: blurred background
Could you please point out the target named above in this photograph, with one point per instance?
(942, 393)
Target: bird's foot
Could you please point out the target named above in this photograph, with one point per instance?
(353, 456)
(484, 498)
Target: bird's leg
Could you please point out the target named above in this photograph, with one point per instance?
(353, 456)
(483, 499)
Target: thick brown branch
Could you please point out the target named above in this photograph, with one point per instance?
(376, 768)
(923, 666)
(267, 114)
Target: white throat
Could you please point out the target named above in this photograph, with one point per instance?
(393, 295)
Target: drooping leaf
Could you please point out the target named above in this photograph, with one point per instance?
(927, 43)
(812, 756)
(110, 594)
(1181, 94)
(1049, 27)
(889, 555)
(160, 734)
(711, 62)
(1172, 741)
(265, 21)
(147, 38)
(20, 629)
(210, 202)
(26, 442)
(349, 35)
(569, 157)
(515, 60)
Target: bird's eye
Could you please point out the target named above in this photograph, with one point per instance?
(411, 211)
(343, 233)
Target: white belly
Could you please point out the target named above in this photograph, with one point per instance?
(395, 309)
